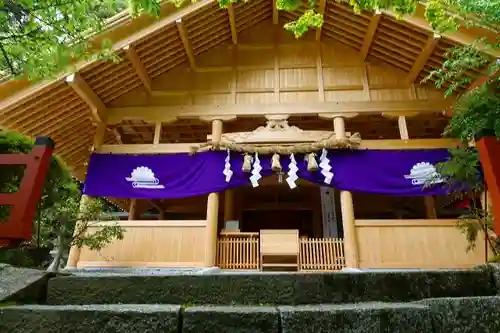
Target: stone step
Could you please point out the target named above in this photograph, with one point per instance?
(460, 315)
(283, 289)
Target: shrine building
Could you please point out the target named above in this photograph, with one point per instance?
(231, 143)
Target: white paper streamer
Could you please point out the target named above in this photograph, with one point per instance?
(292, 172)
(227, 167)
(256, 169)
(325, 167)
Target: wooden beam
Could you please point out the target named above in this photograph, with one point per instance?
(370, 33)
(422, 59)
(403, 128)
(14, 92)
(276, 14)
(232, 23)
(138, 67)
(174, 148)
(464, 35)
(153, 114)
(157, 136)
(321, 10)
(186, 43)
(86, 93)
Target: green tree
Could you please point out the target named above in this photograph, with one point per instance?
(59, 208)
(68, 223)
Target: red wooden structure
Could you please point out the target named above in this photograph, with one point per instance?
(489, 154)
(19, 225)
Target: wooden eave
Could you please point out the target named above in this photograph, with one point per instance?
(68, 107)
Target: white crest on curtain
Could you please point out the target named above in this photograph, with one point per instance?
(256, 169)
(325, 166)
(292, 172)
(424, 172)
(227, 167)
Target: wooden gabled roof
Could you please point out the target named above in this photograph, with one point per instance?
(66, 108)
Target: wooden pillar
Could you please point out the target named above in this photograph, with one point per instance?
(430, 207)
(132, 210)
(213, 207)
(351, 252)
(74, 252)
(489, 155)
(229, 205)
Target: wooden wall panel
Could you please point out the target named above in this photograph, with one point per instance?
(250, 73)
(430, 244)
(152, 244)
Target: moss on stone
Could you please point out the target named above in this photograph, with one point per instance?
(285, 289)
(230, 319)
(23, 285)
(465, 314)
(90, 319)
(356, 318)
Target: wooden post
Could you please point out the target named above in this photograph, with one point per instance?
(489, 155)
(74, 252)
(347, 209)
(229, 205)
(213, 207)
(430, 207)
(132, 210)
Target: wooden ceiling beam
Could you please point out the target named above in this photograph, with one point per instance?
(422, 59)
(464, 35)
(186, 43)
(232, 23)
(153, 114)
(321, 10)
(174, 148)
(14, 92)
(138, 67)
(370, 33)
(276, 14)
(86, 93)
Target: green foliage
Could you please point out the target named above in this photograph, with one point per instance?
(457, 66)
(310, 19)
(461, 171)
(39, 38)
(476, 114)
(59, 206)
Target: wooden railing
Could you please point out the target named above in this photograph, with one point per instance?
(321, 254)
(241, 251)
(238, 251)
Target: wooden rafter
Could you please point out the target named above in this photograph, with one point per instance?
(422, 58)
(464, 35)
(370, 33)
(186, 43)
(138, 66)
(321, 10)
(232, 23)
(159, 113)
(16, 94)
(87, 95)
(276, 14)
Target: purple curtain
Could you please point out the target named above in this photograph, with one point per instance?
(389, 172)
